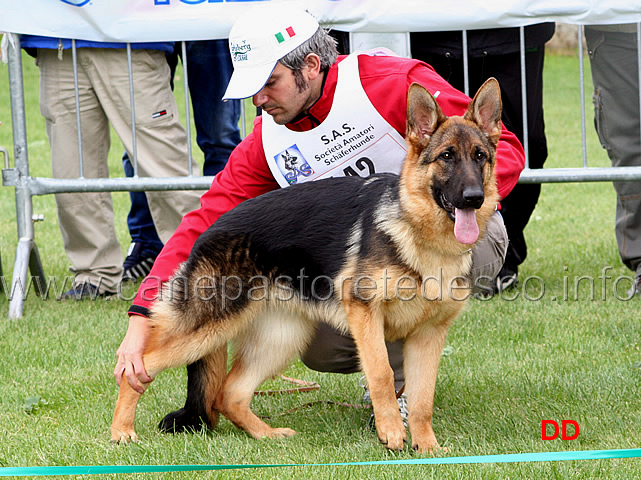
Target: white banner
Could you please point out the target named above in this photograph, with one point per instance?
(168, 20)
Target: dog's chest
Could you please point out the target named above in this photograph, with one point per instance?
(430, 303)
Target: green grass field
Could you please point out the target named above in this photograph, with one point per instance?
(546, 350)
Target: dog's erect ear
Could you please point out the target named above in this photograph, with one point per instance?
(485, 109)
(423, 115)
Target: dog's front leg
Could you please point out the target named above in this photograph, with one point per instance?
(366, 326)
(421, 357)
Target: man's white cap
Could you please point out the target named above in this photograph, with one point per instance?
(259, 39)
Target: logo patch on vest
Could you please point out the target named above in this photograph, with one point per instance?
(292, 164)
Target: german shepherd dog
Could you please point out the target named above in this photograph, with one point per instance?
(382, 258)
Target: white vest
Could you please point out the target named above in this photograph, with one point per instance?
(354, 139)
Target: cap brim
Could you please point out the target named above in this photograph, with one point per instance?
(246, 82)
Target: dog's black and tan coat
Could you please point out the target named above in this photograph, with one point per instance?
(383, 258)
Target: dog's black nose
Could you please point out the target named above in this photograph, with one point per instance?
(473, 197)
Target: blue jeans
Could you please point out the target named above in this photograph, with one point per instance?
(139, 221)
(209, 69)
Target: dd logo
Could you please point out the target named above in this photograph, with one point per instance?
(564, 430)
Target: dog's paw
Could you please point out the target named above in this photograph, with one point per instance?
(393, 436)
(269, 432)
(423, 438)
(432, 449)
(427, 444)
(180, 421)
(281, 433)
(123, 435)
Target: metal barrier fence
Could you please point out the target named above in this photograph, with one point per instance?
(27, 257)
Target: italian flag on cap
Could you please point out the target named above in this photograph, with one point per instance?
(287, 34)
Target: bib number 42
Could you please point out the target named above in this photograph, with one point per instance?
(363, 165)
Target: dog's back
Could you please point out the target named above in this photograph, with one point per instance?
(299, 235)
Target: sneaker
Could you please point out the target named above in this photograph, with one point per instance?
(400, 399)
(85, 291)
(506, 279)
(636, 286)
(138, 263)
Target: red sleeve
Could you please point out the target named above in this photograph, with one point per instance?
(386, 84)
(245, 176)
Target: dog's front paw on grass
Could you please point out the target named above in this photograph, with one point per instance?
(123, 435)
(392, 436)
(427, 444)
(430, 449)
(423, 438)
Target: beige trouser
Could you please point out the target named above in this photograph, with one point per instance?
(86, 219)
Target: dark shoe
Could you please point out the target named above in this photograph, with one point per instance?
(506, 279)
(138, 262)
(636, 287)
(86, 291)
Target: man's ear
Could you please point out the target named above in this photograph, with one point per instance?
(312, 66)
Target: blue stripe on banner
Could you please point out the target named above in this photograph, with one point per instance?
(507, 458)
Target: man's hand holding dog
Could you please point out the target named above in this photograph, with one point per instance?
(130, 363)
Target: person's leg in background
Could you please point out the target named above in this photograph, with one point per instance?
(614, 66)
(145, 243)
(209, 69)
(518, 206)
(161, 138)
(85, 219)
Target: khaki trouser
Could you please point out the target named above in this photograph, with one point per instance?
(331, 351)
(86, 219)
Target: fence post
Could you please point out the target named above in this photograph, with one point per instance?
(5, 153)
(27, 256)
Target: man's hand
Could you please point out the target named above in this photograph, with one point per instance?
(129, 354)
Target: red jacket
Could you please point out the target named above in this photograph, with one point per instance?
(386, 81)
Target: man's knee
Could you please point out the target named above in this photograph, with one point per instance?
(331, 351)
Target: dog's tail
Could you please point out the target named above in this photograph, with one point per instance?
(208, 376)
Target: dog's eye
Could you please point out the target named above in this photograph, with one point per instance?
(447, 156)
(481, 156)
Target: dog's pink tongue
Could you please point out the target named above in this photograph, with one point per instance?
(466, 230)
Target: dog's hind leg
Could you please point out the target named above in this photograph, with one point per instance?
(203, 384)
(262, 352)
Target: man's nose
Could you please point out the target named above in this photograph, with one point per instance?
(259, 99)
